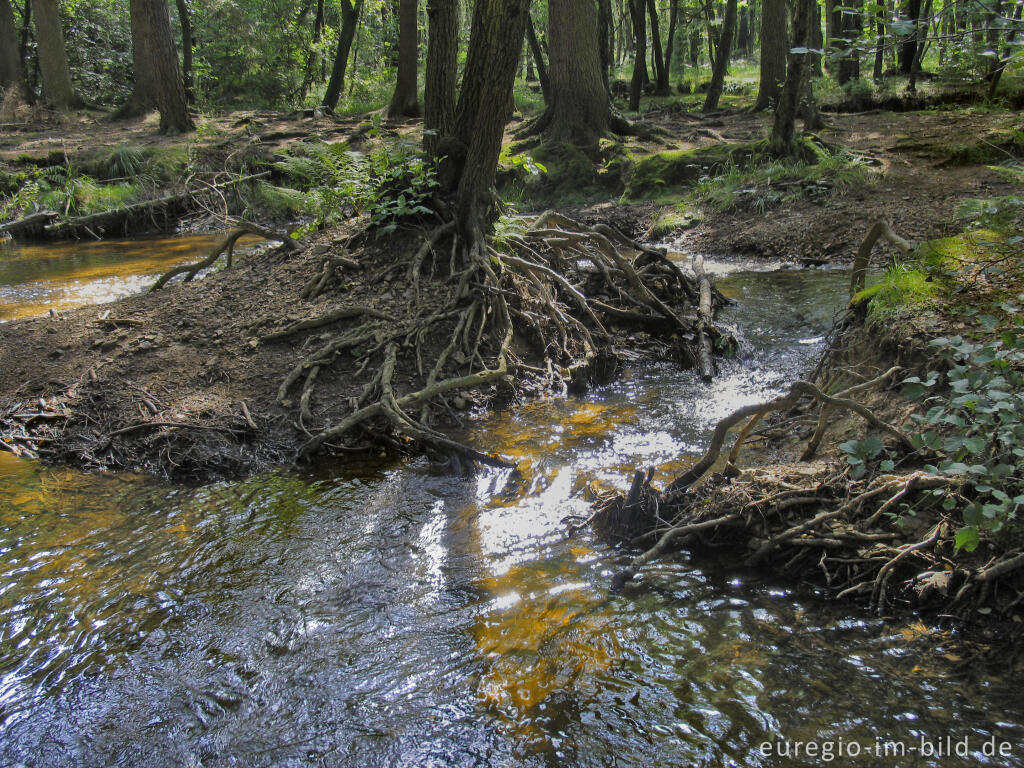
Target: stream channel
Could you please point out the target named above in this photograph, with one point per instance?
(389, 614)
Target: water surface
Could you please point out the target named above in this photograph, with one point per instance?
(394, 615)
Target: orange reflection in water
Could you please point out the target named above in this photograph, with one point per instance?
(38, 277)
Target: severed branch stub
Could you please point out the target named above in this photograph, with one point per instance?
(881, 229)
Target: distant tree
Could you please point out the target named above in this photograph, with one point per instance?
(538, 60)
(774, 48)
(722, 53)
(405, 101)
(638, 18)
(661, 87)
(782, 142)
(158, 75)
(349, 18)
(442, 62)
(849, 64)
(185, 19)
(12, 74)
(53, 60)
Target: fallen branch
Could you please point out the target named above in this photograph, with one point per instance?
(860, 262)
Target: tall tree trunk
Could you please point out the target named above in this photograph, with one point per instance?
(12, 75)
(921, 34)
(815, 41)
(660, 70)
(538, 60)
(152, 20)
(849, 64)
(143, 96)
(743, 35)
(781, 143)
(442, 62)
(349, 19)
(605, 39)
(185, 19)
(496, 38)
(721, 58)
(1011, 34)
(876, 71)
(580, 111)
(670, 44)
(908, 46)
(774, 48)
(405, 101)
(53, 60)
(636, 84)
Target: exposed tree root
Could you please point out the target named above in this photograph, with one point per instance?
(548, 304)
(226, 246)
(851, 532)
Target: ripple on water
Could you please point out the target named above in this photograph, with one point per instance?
(393, 616)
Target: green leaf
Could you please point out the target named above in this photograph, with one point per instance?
(967, 538)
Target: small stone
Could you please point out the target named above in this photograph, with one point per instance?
(254, 343)
(460, 402)
(145, 346)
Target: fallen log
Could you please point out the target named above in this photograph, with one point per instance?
(28, 225)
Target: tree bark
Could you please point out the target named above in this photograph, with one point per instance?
(580, 111)
(442, 60)
(538, 60)
(660, 72)
(673, 22)
(349, 19)
(876, 71)
(722, 53)
(1011, 34)
(908, 46)
(849, 65)
(781, 143)
(12, 75)
(53, 60)
(185, 19)
(605, 39)
(143, 96)
(152, 21)
(405, 101)
(815, 41)
(636, 84)
(496, 39)
(774, 48)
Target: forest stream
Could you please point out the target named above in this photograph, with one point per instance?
(390, 614)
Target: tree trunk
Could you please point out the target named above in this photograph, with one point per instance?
(673, 22)
(11, 73)
(143, 97)
(849, 65)
(1011, 34)
(185, 18)
(538, 60)
(660, 71)
(774, 48)
(442, 61)
(53, 60)
(721, 58)
(636, 84)
(349, 19)
(605, 39)
(908, 46)
(815, 41)
(876, 72)
(743, 35)
(781, 143)
(152, 20)
(496, 38)
(405, 102)
(580, 111)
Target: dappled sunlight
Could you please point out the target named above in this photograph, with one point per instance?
(35, 278)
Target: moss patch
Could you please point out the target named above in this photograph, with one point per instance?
(656, 174)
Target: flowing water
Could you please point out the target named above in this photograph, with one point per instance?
(389, 614)
(39, 277)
